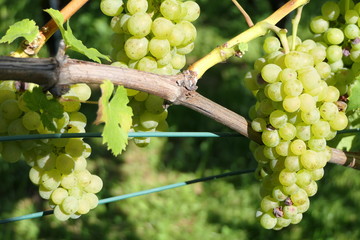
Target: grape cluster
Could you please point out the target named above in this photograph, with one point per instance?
(58, 166)
(338, 28)
(296, 113)
(152, 36)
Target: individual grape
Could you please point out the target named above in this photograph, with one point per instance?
(334, 36)
(162, 28)
(58, 195)
(31, 120)
(44, 192)
(159, 47)
(330, 10)
(291, 104)
(311, 188)
(51, 179)
(298, 147)
(59, 214)
(83, 177)
(10, 109)
(16, 127)
(84, 206)
(275, 91)
(111, 7)
(270, 138)
(320, 129)
(340, 122)
(46, 161)
(35, 175)
(192, 10)
(75, 147)
(271, 44)
(270, 73)
(137, 6)
(298, 60)
(71, 103)
(65, 164)
(259, 125)
(268, 221)
(139, 25)
(170, 9)
(69, 205)
(268, 204)
(334, 53)
(328, 111)
(309, 160)
(11, 152)
(292, 163)
(136, 48)
(81, 90)
(95, 184)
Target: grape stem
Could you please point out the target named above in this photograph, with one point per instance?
(244, 13)
(72, 71)
(26, 50)
(259, 29)
(295, 24)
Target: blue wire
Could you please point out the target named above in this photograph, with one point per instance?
(135, 194)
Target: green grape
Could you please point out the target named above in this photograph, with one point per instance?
(10, 109)
(259, 125)
(334, 53)
(137, 6)
(317, 144)
(159, 47)
(71, 104)
(292, 163)
(303, 131)
(136, 48)
(270, 138)
(74, 147)
(92, 199)
(16, 127)
(147, 64)
(352, 31)
(271, 44)
(268, 204)
(139, 25)
(6, 94)
(278, 194)
(95, 184)
(35, 175)
(309, 160)
(44, 192)
(170, 9)
(76, 192)
(320, 129)
(178, 61)
(31, 120)
(293, 88)
(192, 11)
(154, 104)
(83, 177)
(162, 28)
(275, 91)
(68, 181)
(183, 50)
(11, 152)
(311, 117)
(334, 36)
(287, 178)
(311, 188)
(290, 212)
(270, 73)
(340, 122)
(351, 16)
(69, 205)
(84, 206)
(298, 147)
(80, 163)
(268, 221)
(298, 60)
(60, 215)
(77, 119)
(270, 153)
(303, 178)
(291, 104)
(47, 161)
(81, 91)
(50, 179)
(58, 195)
(330, 10)
(283, 148)
(307, 102)
(65, 164)
(111, 7)
(297, 218)
(287, 74)
(176, 37)
(309, 78)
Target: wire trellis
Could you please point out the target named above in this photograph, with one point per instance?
(135, 134)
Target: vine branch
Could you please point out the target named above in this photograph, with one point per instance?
(45, 71)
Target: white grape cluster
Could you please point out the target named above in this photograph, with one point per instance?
(296, 113)
(58, 166)
(338, 28)
(152, 36)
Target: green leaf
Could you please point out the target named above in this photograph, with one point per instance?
(243, 47)
(48, 108)
(354, 98)
(25, 28)
(71, 41)
(116, 115)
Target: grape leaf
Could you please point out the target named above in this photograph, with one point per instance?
(354, 98)
(25, 28)
(48, 108)
(116, 115)
(71, 41)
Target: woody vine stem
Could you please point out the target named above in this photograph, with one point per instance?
(178, 89)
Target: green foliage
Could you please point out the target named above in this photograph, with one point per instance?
(354, 99)
(37, 101)
(25, 28)
(116, 115)
(71, 41)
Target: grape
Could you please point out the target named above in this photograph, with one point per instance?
(16, 127)
(65, 164)
(170, 9)
(192, 10)
(111, 7)
(35, 175)
(159, 47)
(47, 161)
(334, 36)
(268, 221)
(10, 109)
(58, 195)
(270, 73)
(69, 205)
(83, 177)
(330, 10)
(270, 138)
(271, 44)
(81, 90)
(95, 184)
(137, 6)
(59, 214)
(139, 25)
(75, 147)
(31, 120)
(51, 179)
(11, 152)
(136, 48)
(162, 28)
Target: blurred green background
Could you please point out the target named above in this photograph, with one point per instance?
(219, 209)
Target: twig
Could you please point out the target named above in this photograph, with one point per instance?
(30, 49)
(74, 71)
(244, 13)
